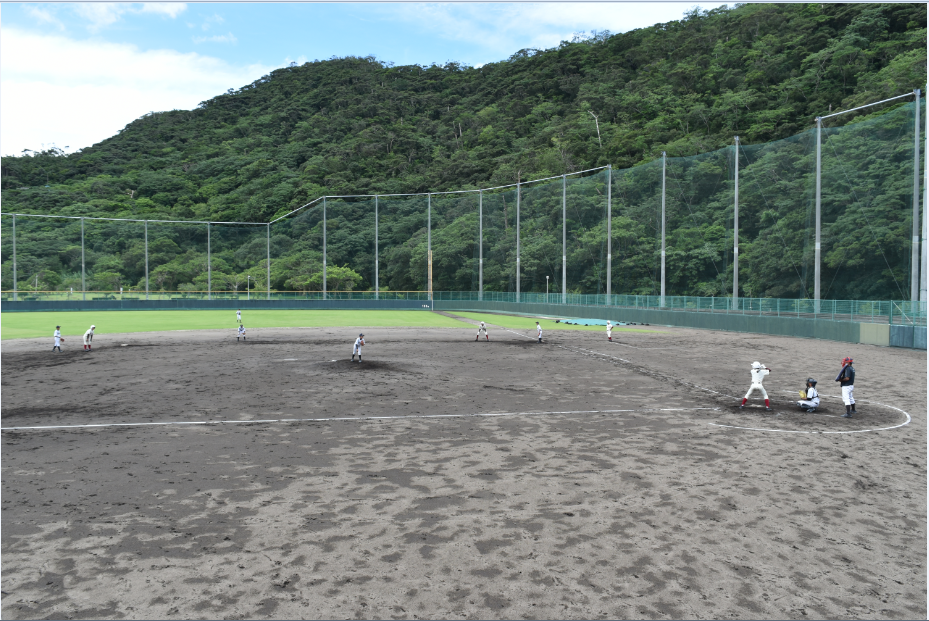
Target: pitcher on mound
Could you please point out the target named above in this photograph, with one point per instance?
(359, 343)
(758, 373)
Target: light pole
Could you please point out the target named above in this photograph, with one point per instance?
(248, 288)
(546, 289)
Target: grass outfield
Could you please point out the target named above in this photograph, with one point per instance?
(74, 324)
(516, 322)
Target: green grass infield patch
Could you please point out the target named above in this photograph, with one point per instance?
(73, 324)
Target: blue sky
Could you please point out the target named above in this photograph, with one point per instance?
(72, 74)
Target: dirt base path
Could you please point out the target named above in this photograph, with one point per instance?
(443, 477)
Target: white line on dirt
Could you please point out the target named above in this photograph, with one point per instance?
(344, 418)
(908, 420)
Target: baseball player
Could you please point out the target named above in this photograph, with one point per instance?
(846, 379)
(238, 316)
(88, 338)
(609, 331)
(758, 373)
(58, 339)
(810, 397)
(482, 330)
(240, 334)
(539, 329)
(359, 343)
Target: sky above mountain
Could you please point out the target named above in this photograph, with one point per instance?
(73, 74)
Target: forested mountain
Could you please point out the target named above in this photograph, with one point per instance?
(360, 125)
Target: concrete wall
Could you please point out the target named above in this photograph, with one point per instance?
(117, 305)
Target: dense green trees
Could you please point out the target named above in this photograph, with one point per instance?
(359, 126)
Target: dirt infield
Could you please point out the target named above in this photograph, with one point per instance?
(443, 477)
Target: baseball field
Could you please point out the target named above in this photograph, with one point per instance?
(175, 472)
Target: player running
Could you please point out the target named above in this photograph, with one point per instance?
(240, 334)
(89, 338)
(758, 374)
(846, 379)
(810, 400)
(482, 330)
(58, 339)
(359, 343)
(609, 331)
(539, 329)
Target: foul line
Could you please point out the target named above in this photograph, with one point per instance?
(341, 418)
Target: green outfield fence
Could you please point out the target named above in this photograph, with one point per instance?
(858, 311)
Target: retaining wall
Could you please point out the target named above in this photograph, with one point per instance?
(118, 305)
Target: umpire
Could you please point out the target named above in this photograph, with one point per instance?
(846, 379)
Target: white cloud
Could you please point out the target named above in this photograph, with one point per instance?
(226, 38)
(209, 21)
(44, 16)
(498, 27)
(78, 93)
(168, 9)
(98, 15)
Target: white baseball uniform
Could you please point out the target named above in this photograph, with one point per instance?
(241, 333)
(758, 377)
(357, 348)
(88, 337)
(58, 338)
(540, 331)
(848, 395)
(482, 329)
(812, 398)
(238, 316)
(609, 330)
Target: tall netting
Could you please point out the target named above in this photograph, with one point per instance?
(402, 241)
(636, 229)
(454, 241)
(699, 211)
(238, 255)
(540, 236)
(777, 182)
(115, 255)
(867, 206)
(499, 241)
(349, 244)
(6, 256)
(48, 256)
(586, 207)
(296, 252)
(177, 259)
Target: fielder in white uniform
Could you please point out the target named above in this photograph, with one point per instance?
(539, 328)
(846, 379)
(810, 400)
(238, 316)
(758, 374)
(609, 331)
(58, 339)
(359, 343)
(482, 330)
(240, 333)
(88, 338)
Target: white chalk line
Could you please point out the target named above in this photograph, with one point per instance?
(343, 418)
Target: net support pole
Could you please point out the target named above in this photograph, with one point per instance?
(209, 268)
(735, 230)
(480, 246)
(914, 255)
(518, 269)
(146, 259)
(664, 167)
(324, 248)
(609, 232)
(14, 259)
(817, 247)
(924, 251)
(564, 239)
(429, 243)
(377, 286)
(268, 273)
(83, 271)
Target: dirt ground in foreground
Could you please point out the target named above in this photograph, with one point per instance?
(619, 480)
